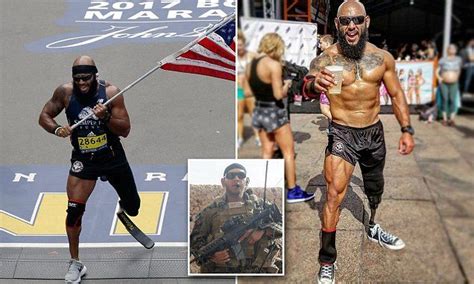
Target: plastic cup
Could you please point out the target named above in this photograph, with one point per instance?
(337, 70)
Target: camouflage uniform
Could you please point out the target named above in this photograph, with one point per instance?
(261, 257)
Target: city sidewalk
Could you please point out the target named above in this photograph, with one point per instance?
(428, 202)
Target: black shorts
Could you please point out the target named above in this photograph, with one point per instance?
(364, 145)
(91, 167)
(113, 165)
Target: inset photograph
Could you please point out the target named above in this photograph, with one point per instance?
(235, 217)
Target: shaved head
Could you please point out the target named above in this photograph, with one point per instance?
(83, 60)
(351, 8)
(84, 88)
(352, 25)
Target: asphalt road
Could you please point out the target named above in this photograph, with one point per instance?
(175, 116)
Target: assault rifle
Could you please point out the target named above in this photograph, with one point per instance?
(233, 229)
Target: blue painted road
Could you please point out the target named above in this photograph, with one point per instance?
(102, 23)
(20, 196)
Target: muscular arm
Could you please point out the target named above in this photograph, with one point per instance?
(318, 63)
(399, 103)
(52, 108)
(119, 122)
(322, 78)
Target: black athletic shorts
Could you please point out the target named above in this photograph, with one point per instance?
(89, 166)
(113, 165)
(364, 145)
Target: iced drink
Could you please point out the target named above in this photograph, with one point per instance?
(337, 70)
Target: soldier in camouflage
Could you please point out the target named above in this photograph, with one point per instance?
(260, 245)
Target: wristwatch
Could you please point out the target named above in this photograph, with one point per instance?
(408, 129)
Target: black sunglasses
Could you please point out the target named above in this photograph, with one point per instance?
(83, 78)
(232, 175)
(346, 20)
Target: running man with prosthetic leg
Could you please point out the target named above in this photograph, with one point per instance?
(356, 132)
(97, 150)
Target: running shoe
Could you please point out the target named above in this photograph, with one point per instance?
(385, 239)
(296, 194)
(75, 272)
(327, 274)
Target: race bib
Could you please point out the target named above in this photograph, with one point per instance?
(91, 143)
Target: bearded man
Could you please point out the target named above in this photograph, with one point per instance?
(356, 132)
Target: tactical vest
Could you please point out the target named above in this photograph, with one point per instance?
(256, 254)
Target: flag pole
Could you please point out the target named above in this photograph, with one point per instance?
(163, 61)
(265, 186)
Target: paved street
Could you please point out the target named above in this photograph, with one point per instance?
(428, 202)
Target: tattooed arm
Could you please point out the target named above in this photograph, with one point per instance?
(319, 63)
(319, 79)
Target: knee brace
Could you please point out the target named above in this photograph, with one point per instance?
(373, 187)
(74, 213)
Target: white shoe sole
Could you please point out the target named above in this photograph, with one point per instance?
(333, 282)
(386, 245)
(83, 272)
(299, 200)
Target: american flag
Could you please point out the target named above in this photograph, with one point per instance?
(213, 56)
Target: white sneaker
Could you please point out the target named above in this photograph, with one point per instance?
(385, 239)
(75, 272)
(327, 274)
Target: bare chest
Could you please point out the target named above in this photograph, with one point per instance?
(367, 70)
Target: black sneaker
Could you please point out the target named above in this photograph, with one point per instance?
(326, 274)
(385, 239)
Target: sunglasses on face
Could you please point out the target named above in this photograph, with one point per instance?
(83, 78)
(231, 175)
(346, 20)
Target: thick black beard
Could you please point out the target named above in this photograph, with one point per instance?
(353, 51)
(85, 98)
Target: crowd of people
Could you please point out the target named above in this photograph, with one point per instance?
(424, 50)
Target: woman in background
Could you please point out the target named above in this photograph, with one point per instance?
(449, 69)
(264, 80)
